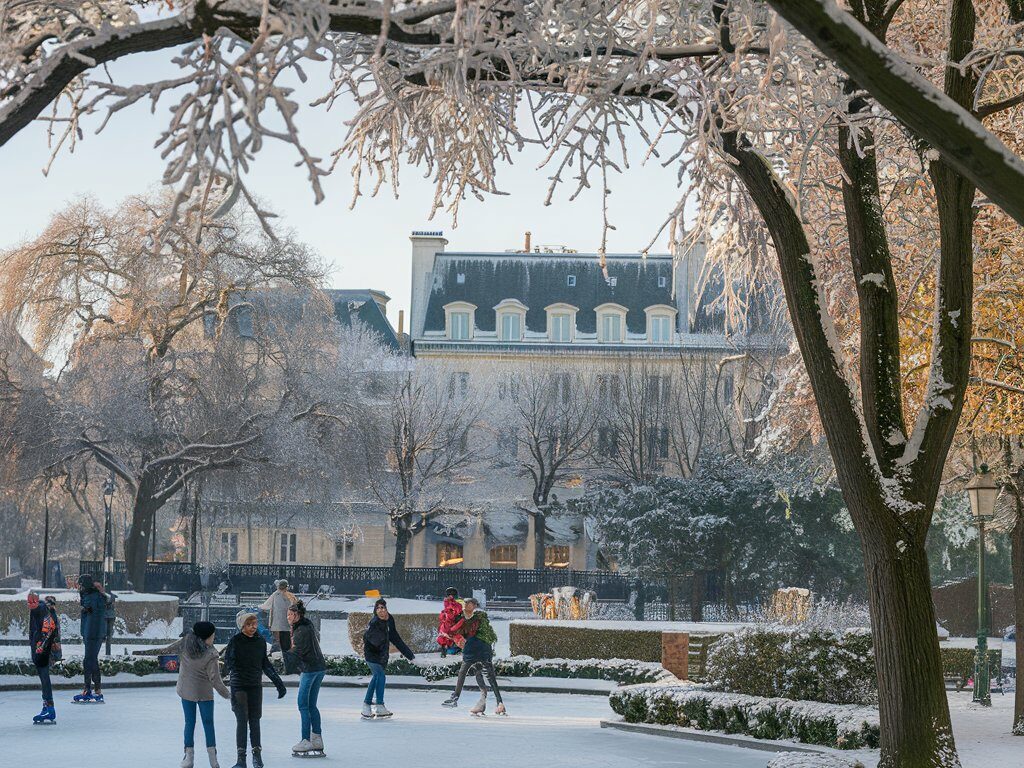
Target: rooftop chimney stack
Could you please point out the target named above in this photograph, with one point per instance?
(526, 249)
(401, 321)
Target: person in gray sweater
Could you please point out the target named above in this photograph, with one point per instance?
(198, 676)
(278, 605)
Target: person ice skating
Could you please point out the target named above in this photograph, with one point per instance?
(278, 604)
(306, 656)
(378, 638)
(451, 612)
(43, 633)
(246, 661)
(474, 632)
(94, 630)
(198, 676)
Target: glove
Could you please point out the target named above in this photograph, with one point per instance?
(281, 690)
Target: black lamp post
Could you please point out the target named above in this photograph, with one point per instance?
(982, 491)
(108, 535)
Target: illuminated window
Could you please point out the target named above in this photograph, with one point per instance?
(504, 556)
(449, 555)
(556, 556)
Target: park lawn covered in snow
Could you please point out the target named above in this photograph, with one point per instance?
(143, 727)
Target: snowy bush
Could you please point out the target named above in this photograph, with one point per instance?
(795, 663)
(842, 726)
(136, 665)
(958, 664)
(807, 760)
(137, 614)
(419, 630)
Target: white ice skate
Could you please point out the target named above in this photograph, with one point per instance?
(480, 708)
(305, 748)
(380, 711)
(500, 709)
(190, 757)
(367, 712)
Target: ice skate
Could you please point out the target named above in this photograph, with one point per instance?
(480, 708)
(367, 712)
(257, 757)
(211, 752)
(189, 760)
(240, 762)
(85, 697)
(97, 698)
(500, 709)
(47, 716)
(451, 701)
(381, 711)
(305, 749)
(317, 740)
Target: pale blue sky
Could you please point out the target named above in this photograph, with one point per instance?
(367, 246)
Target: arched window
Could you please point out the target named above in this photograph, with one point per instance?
(460, 320)
(561, 322)
(661, 322)
(611, 323)
(510, 320)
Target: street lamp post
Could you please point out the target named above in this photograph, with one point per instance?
(108, 539)
(982, 491)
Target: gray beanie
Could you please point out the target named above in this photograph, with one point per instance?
(242, 617)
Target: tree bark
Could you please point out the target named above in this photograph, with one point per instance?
(137, 544)
(403, 535)
(698, 590)
(1017, 564)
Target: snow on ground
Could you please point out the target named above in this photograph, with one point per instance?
(1008, 647)
(143, 727)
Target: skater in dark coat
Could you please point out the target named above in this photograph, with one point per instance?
(246, 661)
(378, 638)
(198, 676)
(94, 630)
(305, 656)
(477, 638)
(43, 637)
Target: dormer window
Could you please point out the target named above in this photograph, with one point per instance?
(611, 323)
(661, 319)
(561, 322)
(510, 319)
(570, 281)
(459, 317)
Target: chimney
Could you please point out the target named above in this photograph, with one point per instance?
(401, 321)
(526, 248)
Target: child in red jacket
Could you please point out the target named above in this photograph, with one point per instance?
(450, 614)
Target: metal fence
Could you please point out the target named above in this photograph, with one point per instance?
(511, 583)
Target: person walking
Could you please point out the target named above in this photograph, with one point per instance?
(477, 638)
(198, 677)
(94, 630)
(451, 612)
(43, 635)
(246, 661)
(305, 656)
(378, 638)
(277, 605)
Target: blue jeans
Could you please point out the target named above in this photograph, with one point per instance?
(309, 689)
(206, 713)
(377, 683)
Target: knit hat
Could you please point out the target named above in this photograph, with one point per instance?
(203, 629)
(281, 583)
(380, 601)
(451, 592)
(242, 617)
(85, 581)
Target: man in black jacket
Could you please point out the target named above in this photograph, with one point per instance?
(246, 661)
(381, 633)
(306, 656)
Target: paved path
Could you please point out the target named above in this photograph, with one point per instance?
(141, 728)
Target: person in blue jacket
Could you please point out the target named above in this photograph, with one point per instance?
(378, 638)
(94, 630)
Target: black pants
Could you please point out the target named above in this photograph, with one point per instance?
(91, 664)
(44, 679)
(284, 639)
(476, 666)
(247, 704)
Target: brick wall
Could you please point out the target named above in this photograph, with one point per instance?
(675, 653)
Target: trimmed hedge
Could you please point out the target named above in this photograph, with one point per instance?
(841, 726)
(805, 760)
(133, 616)
(958, 664)
(571, 642)
(793, 663)
(623, 671)
(419, 630)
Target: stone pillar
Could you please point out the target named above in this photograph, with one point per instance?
(675, 653)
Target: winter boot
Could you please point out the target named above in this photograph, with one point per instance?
(480, 707)
(211, 752)
(257, 757)
(240, 762)
(189, 760)
(451, 701)
(367, 712)
(317, 740)
(381, 711)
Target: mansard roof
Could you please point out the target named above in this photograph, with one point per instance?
(364, 305)
(541, 279)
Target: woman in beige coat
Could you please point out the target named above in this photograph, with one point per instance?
(198, 676)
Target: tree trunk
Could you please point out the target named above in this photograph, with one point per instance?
(913, 709)
(403, 535)
(540, 530)
(698, 589)
(137, 546)
(1017, 558)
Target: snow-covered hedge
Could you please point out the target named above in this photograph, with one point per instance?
(419, 630)
(566, 640)
(807, 760)
(794, 663)
(136, 665)
(138, 614)
(842, 726)
(958, 663)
